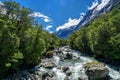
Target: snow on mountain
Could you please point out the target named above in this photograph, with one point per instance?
(94, 4)
(70, 23)
(102, 4)
(95, 10)
(93, 13)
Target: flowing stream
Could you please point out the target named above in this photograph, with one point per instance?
(76, 67)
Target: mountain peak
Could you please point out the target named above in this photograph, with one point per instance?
(93, 12)
(94, 4)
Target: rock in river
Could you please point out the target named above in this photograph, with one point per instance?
(49, 65)
(46, 76)
(65, 68)
(69, 56)
(23, 75)
(96, 70)
(49, 54)
(68, 73)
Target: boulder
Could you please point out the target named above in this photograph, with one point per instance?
(52, 74)
(23, 75)
(68, 73)
(58, 51)
(47, 76)
(60, 54)
(65, 68)
(96, 70)
(49, 65)
(68, 50)
(34, 77)
(37, 72)
(49, 54)
(69, 56)
(83, 77)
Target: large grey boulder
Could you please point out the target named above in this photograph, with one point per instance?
(66, 70)
(49, 64)
(96, 70)
(68, 73)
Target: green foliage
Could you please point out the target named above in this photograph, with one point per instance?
(101, 37)
(78, 40)
(63, 42)
(22, 41)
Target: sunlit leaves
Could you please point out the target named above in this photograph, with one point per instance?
(102, 36)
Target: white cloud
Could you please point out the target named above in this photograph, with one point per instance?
(49, 27)
(102, 4)
(82, 14)
(70, 23)
(38, 14)
(94, 4)
(47, 20)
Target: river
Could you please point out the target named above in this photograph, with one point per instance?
(75, 65)
(64, 64)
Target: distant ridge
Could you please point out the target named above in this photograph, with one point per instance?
(93, 13)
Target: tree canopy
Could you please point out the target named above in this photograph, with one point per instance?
(22, 40)
(101, 37)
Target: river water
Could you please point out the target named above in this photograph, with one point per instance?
(75, 66)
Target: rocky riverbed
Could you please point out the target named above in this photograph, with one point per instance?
(66, 64)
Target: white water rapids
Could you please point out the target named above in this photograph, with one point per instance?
(75, 66)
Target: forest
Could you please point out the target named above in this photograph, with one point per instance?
(101, 37)
(22, 39)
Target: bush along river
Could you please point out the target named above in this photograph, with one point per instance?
(66, 64)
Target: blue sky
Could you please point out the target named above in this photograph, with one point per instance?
(57, 13)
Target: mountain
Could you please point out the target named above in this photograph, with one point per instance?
(95, 11)
(64, 33)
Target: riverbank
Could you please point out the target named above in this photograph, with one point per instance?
(65, 64)
(110, 62)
